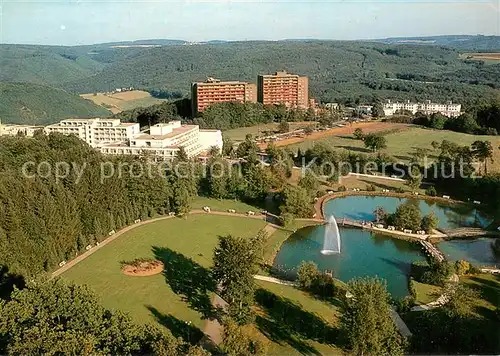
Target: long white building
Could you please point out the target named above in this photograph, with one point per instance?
(110, 136)
(449, 109)
(96, 131)
(165, 139)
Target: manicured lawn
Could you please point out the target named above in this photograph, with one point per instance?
(426, 293)
(222, 205)
(188, 246)
(293, 321)
(296, 322)
(488, 285)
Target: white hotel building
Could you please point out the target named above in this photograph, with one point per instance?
(164, 139)
(110, 136)
(449, 109)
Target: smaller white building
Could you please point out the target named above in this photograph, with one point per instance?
(449, 109)
(364, 109)
(14, 130)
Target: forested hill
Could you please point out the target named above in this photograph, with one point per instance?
(37, 104)
(338, 70)
(463, 42)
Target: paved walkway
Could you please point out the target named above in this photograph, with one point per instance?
(275, 280)
(213, 329)
(400, 324)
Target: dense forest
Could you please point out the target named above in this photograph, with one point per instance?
(346, 72)
(40, 104)
(45, 220)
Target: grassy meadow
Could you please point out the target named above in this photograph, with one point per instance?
(119, 102)
(403, 143)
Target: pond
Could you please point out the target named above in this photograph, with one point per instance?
(478, 251)
(362, 207)
(362, 254)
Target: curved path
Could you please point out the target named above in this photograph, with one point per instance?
(268, 228)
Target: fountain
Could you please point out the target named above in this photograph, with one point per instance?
(331, 242)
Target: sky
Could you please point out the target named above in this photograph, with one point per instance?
(75, 22)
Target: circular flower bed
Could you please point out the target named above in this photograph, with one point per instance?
(142, 267)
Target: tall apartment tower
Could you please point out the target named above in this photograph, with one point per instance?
(283, 88)
(204, 94)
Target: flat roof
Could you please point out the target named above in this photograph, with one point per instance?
(175, 132)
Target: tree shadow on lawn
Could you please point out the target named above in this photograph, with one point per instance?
(178, 328)
(285, 321)
(489, 291)
(189, 279)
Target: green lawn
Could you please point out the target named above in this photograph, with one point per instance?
(222, 205)
(187, 243)
(258, 130)
(426, 293)
(296, 323)
(488, 286)
(401, 144)
(293, 321)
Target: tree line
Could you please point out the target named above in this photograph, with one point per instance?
(477, 120)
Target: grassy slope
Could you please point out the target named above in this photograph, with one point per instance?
(402, 144)
(192, 238)
(179, 295)
(36, 104)
(488, 285)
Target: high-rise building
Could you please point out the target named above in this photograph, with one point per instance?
(204, 94)
(291, 90)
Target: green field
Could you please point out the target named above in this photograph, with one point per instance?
(488, 286)
(402, 144)
(426, 293)
(189, 243)
(258, 130)
(184, 291)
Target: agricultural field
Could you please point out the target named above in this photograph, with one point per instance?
(180, 297)
(119, 102)
(488, 58)
(403, 142)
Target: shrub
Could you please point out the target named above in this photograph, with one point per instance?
(400, 190)
(462, 267)
(342, 188)
(306, 274)
(431, 191)
(370, 188)
(474, 270)
(429, 222)
(286, 219)
(405, 304)
(323, 286)
(411, 288)
(437, 273)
